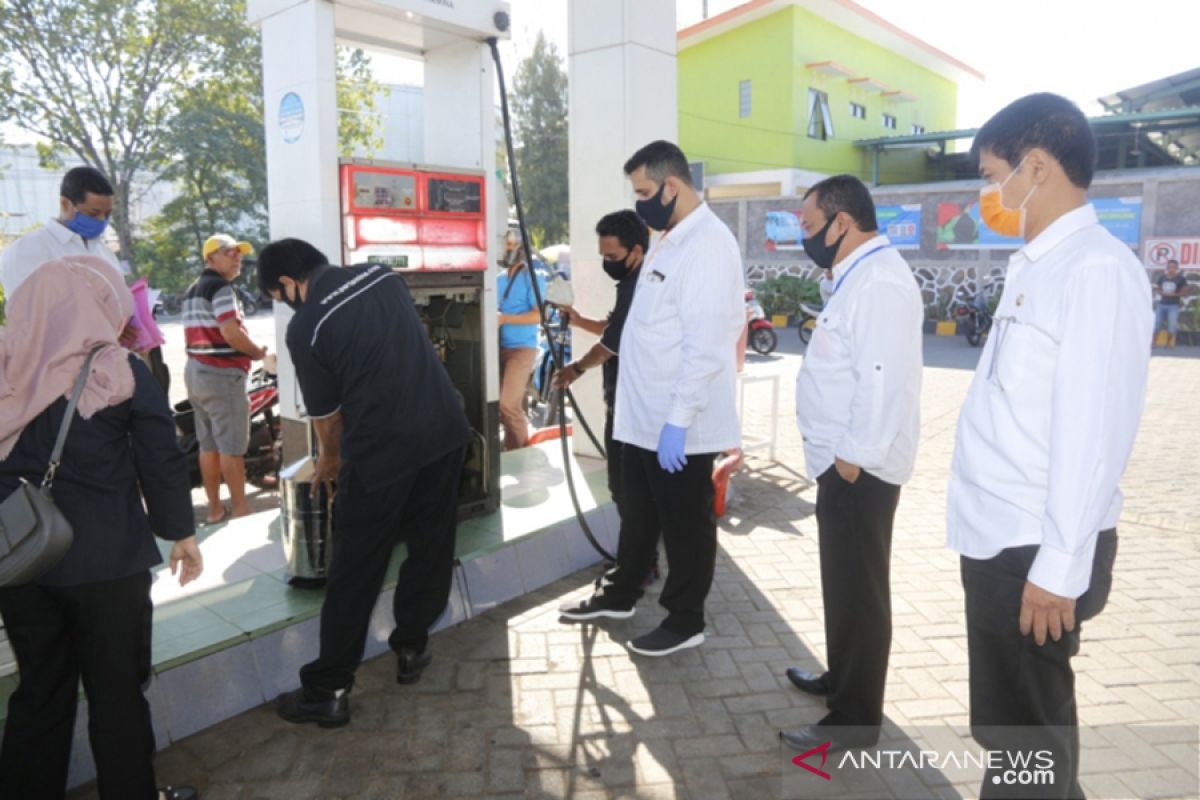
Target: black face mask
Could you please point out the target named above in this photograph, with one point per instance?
(617, 269)
(823, 254)
(654, 212)
(294, 303)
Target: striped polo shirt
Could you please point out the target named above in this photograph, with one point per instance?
(210, 301)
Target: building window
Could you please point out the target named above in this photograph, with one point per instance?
(744, 99)
(918, 129)
(889, 122)
(858, 111)
(820, 122)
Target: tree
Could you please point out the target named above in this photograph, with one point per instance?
(540, 117)
(98, 78)
(218, 165)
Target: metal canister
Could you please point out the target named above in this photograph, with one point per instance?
(307, 524)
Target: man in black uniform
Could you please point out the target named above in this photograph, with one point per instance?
(392, 435)
(624, 240)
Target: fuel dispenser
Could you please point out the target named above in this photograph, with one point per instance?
(429, 224)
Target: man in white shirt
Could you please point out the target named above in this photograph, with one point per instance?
(676, 408)
(85, 205)
(858, 403)
(1044, 435)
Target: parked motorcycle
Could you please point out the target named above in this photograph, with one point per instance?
(972, 315)
(807, 322)
(760, 334)
(263, 454)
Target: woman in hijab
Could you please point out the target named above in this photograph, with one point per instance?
(89, 617)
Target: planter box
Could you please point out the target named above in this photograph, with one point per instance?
(946, 328)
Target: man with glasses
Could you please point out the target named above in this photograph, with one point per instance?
(219, 352)
(1044, 435)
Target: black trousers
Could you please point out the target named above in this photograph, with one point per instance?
(420, 509)
(1022, 694)
(612, 454)
(99, 632)
(854, 522)
(680, 505)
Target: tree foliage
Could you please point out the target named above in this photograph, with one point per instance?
(540, 118)
(98, 78)
(169, 89)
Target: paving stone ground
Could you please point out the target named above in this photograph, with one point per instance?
(519, 705)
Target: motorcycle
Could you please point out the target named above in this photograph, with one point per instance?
(263, 454)
(807, 322)
(760, 334)
(972, 316)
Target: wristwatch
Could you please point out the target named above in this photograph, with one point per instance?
(578, 369)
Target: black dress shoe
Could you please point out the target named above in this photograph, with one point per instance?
(840, 739)
(410, 664)
(178, 793)
(810, 682)
(309, 704)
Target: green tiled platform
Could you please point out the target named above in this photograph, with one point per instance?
(235, 638)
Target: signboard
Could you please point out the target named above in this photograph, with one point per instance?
(291, 117)
(1184, 249)
(960, 228)
(901, 224)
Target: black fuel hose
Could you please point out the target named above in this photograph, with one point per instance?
(555, 353)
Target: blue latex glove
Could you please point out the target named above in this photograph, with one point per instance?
(670, 448)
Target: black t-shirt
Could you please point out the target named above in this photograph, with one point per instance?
(611, 338)
(358, 345)
(1166, 284)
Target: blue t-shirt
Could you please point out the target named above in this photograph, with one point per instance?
(520, 300)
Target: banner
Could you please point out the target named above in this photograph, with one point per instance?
(1184, 249)
(901, 224)
(960, 228)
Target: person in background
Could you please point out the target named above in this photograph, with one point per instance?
(1044, 436)
(623, 242)
(122, 481)
(220, 352)
(1169, 288)
(518, 318)
(858, 405)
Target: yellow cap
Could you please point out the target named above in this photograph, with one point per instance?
(222, 241)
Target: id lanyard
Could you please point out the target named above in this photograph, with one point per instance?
(854, 266)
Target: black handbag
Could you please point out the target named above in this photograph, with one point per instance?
(34, 534)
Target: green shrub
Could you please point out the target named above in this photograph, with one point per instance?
(786, 293)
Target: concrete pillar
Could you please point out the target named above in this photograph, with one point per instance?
(299, 56)
(621, 63)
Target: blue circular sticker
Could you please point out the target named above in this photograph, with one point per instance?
(291, 117)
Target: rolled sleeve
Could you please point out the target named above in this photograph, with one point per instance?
(887, 351)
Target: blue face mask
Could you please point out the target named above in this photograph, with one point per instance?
(87, 227)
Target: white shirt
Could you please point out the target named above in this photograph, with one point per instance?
(679, 346)
(1051, 415)
(53, 240)
(858, 394)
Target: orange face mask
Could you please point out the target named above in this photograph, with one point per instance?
(997, 216)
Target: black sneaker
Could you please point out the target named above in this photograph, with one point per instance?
(309, 704)
(662, 642)
(595, 607)
(410, 664)
(178, 793)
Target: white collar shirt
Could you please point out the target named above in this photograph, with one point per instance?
(858, 393)
(679, 347)
(1051, 415)
(53, 240)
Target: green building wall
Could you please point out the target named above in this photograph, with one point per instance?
(772, 53)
